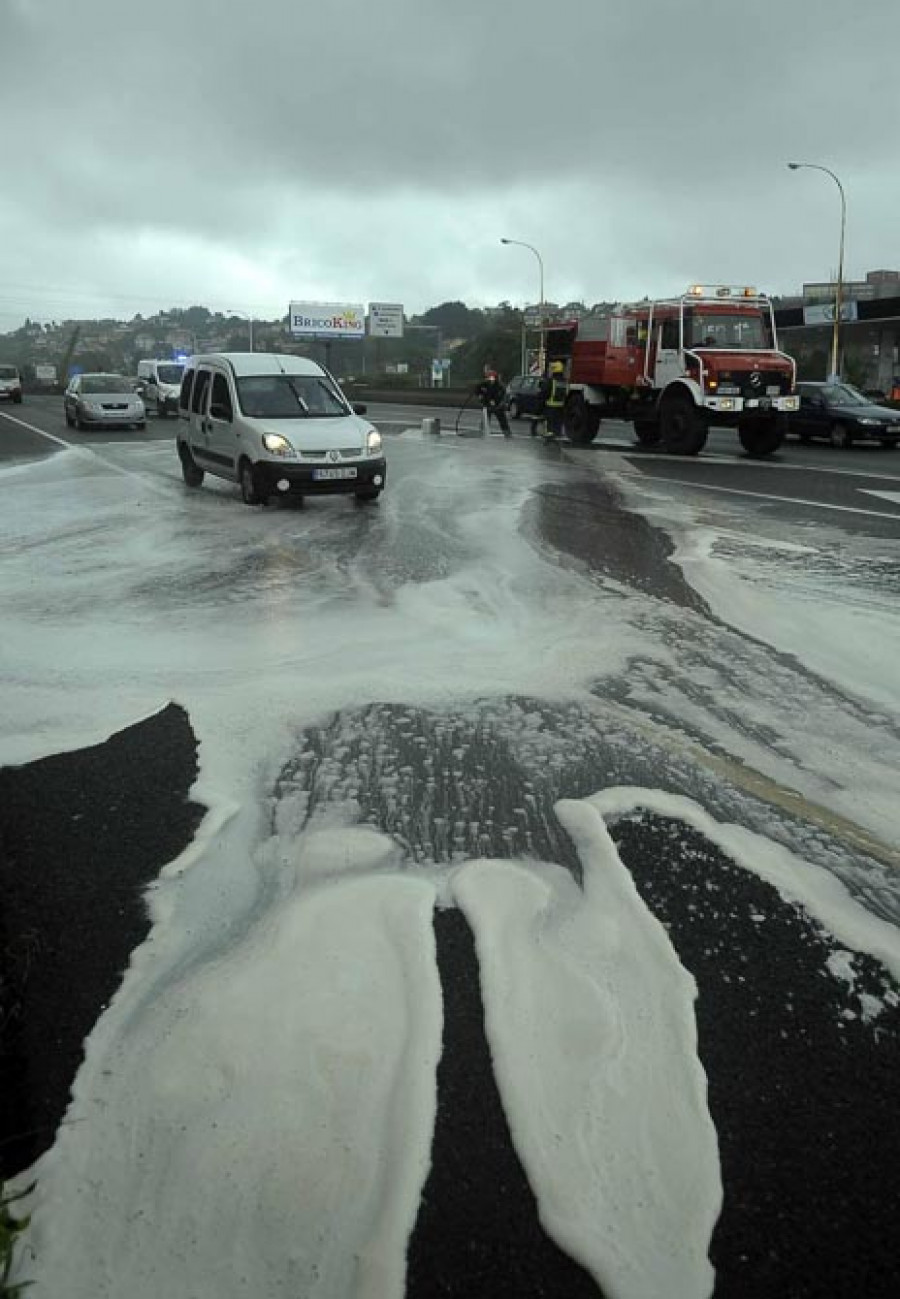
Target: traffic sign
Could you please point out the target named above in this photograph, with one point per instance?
(386, 319)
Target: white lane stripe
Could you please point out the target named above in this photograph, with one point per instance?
(893, 497)
(33, 428)
(90, 452)
(769, 496)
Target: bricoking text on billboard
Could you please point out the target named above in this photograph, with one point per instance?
(327, 320)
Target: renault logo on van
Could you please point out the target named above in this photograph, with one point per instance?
(334, 455)
(756, 378)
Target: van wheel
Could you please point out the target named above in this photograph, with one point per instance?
(368, 494)
(190, 471)
(682, 429)
(250, 492)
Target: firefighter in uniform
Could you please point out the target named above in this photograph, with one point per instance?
(492, 395)
(555, 389)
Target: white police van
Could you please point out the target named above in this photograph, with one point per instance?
(276, 425)
(160, 384)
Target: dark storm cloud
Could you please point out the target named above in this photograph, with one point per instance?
(654, 121)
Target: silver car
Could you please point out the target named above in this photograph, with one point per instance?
(103, 400)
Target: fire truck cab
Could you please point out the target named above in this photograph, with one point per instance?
(677, 366)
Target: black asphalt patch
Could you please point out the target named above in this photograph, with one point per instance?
(802, 1091)
(478, 1235)
(81, 835)
(588, 522)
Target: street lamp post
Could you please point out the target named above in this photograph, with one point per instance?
(519, 244)
(839, 287)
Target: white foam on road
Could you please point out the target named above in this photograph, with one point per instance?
(117, 599)
(829, 625)
(590, 1019)
(262, 1125)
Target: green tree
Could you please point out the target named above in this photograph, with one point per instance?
(500, 349)
(454, 319)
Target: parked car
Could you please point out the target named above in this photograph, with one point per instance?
(523, 395)
(843, 415)
(10, 384)
(103, 399)
(160, 385)
(278, 425)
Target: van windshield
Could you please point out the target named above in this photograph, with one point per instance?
(289, 396)
(169, 373)
(8, 372)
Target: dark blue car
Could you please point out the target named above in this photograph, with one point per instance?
(523, 395)
(842, 415)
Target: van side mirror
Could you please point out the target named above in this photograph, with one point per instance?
(359, 408)
(218, 411)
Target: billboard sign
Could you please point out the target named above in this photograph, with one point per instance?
(386, 319)
(822, 313)
(327, 320)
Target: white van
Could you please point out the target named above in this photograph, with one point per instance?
(160, 384)
(10, 384)
(278, 426)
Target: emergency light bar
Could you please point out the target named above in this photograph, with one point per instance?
(720, 291)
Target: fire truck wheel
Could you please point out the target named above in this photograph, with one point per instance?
(761, 439)
(647, 432)
(581, 420)
(682, 428)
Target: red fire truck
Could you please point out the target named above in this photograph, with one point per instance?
(676, 367)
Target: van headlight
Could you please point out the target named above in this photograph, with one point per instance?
(373, 443)
(277, 444)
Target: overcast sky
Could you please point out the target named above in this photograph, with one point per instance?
(240, 155)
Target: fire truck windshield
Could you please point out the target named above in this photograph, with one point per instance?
(746, 331)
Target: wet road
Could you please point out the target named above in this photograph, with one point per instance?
(512, 626)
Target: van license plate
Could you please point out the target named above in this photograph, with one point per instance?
(320, 474)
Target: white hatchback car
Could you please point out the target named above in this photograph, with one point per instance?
(277, 425)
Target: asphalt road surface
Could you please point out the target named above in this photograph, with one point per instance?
(513, 625)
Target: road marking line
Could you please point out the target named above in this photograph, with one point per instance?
(33, 428)
(767, 496)
(893, 497)
(88, 452)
